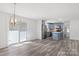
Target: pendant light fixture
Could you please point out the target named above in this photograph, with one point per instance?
(13, 18)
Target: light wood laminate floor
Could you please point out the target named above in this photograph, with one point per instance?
(43, 47)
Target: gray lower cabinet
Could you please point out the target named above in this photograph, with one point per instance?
(57, 35)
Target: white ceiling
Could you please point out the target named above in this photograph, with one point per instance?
(42, 10)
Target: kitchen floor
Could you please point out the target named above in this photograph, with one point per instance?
(45, 47)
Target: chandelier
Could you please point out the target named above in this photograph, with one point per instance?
(13, 18)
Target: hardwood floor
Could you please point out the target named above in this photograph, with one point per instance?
(43, 48)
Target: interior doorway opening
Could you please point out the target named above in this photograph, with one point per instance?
(56, 30)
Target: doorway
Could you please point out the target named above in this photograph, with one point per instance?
(55, 29)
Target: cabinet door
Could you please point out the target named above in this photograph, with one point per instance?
(55, 36)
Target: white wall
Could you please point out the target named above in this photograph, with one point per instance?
(3, 29)
(31, 29)
(74, 29)
(4, 21)
(39, 29)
